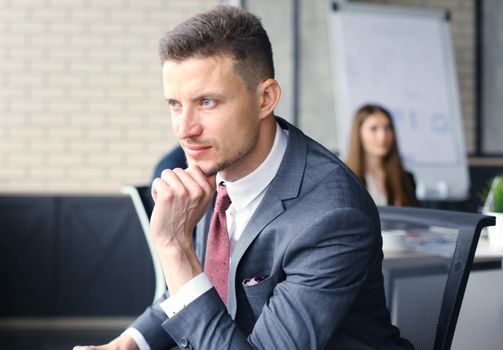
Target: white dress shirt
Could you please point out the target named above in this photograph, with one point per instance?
(379, 197)
(246, 195)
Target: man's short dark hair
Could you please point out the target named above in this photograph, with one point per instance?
(223, 30)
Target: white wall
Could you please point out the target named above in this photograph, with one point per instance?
(81, 107)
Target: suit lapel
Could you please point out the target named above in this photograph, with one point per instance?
(284, 186)
(263, 215)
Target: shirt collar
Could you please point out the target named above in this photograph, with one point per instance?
(244, 190)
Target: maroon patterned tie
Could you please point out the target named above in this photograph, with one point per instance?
(216, 264)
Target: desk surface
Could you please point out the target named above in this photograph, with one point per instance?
(485, 251)
(485, 258)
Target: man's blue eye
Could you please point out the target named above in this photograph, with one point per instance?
(172, 104)
(207, 102)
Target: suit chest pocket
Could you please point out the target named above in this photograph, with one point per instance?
(258, 294)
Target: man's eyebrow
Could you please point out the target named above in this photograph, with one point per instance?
(212, 95)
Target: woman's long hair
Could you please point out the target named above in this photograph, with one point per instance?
(399, 185)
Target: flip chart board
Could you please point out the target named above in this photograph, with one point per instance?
(402, 59)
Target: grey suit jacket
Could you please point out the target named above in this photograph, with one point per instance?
(315, 239)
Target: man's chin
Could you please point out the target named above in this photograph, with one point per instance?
(210, 172)
(207, 169)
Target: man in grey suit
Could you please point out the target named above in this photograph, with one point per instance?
(304, 237)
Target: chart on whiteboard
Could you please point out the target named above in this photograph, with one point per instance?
(398, 63)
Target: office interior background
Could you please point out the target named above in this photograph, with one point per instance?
(81, 106)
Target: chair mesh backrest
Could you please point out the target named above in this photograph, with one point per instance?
(428, 256)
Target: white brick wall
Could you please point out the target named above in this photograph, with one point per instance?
(81, 105)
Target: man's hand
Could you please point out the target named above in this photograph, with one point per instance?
(181, 199)
(122, 342)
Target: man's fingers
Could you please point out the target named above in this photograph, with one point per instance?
(195, 191)
(158, 186)
(189, 186)
(174, 183)
(206, 183)
(190, 182)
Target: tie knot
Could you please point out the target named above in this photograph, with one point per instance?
(223, 201)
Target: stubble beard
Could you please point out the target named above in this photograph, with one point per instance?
(226, 163)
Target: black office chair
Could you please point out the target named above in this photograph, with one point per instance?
(428, 257)
(143, 204)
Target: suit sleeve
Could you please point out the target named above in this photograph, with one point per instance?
(149, 325)
(325, 264)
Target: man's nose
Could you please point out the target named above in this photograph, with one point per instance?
(188, 125)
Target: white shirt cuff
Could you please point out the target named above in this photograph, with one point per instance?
(137, 337)
(189, 292)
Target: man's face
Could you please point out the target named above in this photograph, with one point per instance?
(214, 116)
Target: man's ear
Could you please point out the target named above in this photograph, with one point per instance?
(269, 94)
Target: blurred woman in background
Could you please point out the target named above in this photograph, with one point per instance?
(374, 157)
